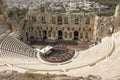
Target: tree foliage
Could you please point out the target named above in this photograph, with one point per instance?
(20, 13)
(110, 3)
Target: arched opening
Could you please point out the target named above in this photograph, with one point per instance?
(44, 34)
(53, 20)
(65, 20)
(43, 20)
(60, 35)
(76, 35)
(59, 19)
(42, 8)
(87, 20)
(76, 20)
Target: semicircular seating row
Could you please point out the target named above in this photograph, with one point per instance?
(16, 46)
(92, 55)
(14, 52)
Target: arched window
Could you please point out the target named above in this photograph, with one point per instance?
(42, 8)
(51, 28)
(81, 35)
(65, 20)
(70, 34)
(76, 34)
(83, 29)
(80, 18)
(49, 33)
(65, 34)
(76, 20)
(53, 20)
(87, 20)
(59, 19)
(89, 29)
(43, 20)
(34, 19)
(86, 35)
(68, 28)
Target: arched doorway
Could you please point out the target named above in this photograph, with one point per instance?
(60, 34)
(76, 35)
(44, 34)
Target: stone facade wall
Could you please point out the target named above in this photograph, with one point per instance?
(65, 26)
(80, 27)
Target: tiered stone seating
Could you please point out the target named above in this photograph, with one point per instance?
(14, 45)
(93, 60)
(16, 53)
(93, 55)
(18, 59)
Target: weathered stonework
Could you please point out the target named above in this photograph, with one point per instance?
(79, 27)
(61, 29)
(3, 11)
(105, 26)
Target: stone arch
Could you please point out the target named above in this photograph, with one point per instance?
(42, 8)
(76, 20)
(43, 19)
(81, 35)
(59, 20)
(60, 35)
(87, 20)
(44, 34)
(53, 20)
(65, 20)
(76, 35)
(86, 35)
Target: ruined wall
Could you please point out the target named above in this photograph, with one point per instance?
(3, 12)
(105, 26)
(117, 18)
(80, 27)
(95, 30)
(77, 26)
(13, 24)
